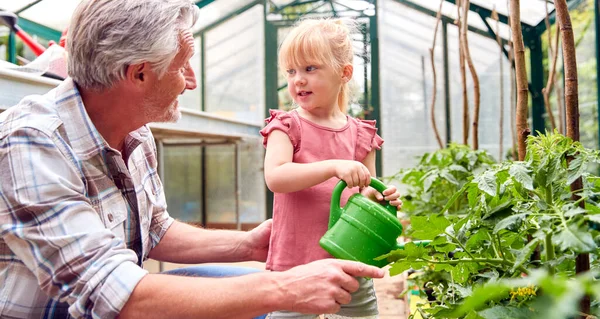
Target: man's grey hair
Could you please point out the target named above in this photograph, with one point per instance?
(106, 36)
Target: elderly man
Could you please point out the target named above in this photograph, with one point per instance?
(82, 205)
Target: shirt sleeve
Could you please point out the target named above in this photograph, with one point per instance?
(282, 121)
(368, 139)
(51, 226)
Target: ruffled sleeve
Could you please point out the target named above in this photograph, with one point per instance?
(283, 121)
(367, 138)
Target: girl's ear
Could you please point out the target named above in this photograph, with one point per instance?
(347, 73)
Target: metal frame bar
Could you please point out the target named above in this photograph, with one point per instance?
(447, 104)
(541, 26)
(445, 18)
(375, 80)
(597, 25)
(39, 30)
(229, 16)
(27, 7)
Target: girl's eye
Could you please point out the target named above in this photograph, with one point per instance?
(291, 71)
(311, 68)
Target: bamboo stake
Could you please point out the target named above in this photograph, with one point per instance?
(434, 95)
(582, 262)
(551, 76)
(521, 76)
(501, 146)
(463, 75)
(513, 84)
(475, 78)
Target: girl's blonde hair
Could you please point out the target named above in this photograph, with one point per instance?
(320, 41)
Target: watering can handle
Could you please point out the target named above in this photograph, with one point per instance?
(336, 210)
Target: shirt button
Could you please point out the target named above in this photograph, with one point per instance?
(110, 217)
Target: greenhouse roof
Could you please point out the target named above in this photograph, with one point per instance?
(47, 18)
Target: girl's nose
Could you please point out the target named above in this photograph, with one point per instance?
(299, 80)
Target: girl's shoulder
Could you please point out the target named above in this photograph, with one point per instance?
(285, 121)
(367, 137)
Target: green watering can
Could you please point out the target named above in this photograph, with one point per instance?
(362, 230)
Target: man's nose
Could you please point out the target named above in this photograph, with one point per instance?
(190, 78)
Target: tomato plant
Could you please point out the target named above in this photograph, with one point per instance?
(485, 233)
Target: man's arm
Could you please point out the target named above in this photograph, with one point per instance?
(50, 225)
(318, 287)
(187, 244)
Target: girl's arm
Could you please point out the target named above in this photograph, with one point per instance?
(282, 175)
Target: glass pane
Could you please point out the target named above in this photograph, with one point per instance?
(218, 10)
(220, 186)
(14, 5)
(407, 87)
(55, 14)
(183, 182)
(252, 206)
(235, 67)
(405, 37)
(532, 11)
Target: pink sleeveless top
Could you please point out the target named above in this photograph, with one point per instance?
(300, 219)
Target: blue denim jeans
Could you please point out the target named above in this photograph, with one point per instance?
(213, 271)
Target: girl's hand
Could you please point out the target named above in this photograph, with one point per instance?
(353, 173)
(389, 194)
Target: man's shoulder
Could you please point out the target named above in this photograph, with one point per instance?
(33, 112)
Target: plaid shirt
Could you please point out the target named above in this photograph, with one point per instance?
(68, 233)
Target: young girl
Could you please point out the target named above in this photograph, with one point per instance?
(312, 147)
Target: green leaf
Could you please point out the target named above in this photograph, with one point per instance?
(511, 223)
(573, 211)
(428, 227)
(521, 175)
(445, 248)
(449, 177)
(454, 198)
(574, 238)
(473, 194)
(480, 296)
(462, 272)
(524, 254)
(576, 168)
(487, 183)
(416, 251)
(477, 239)
(594, 218)
(429, 181)
(403, 265)
(503, 312)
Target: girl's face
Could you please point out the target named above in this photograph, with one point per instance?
(314, 86)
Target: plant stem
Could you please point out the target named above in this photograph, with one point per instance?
(461, 245)
(549, 252)
(490, 261)
(493, 242)
(500, 245)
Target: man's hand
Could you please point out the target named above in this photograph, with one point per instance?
(258, 241)
(324, 285)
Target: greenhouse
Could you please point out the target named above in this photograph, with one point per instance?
(501, 223)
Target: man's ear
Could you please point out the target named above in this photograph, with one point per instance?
(137, 74)
(347, 73)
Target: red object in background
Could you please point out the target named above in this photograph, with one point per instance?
(10, 19)
(63, 38)
(37, 48)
